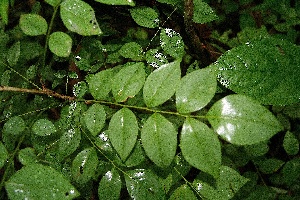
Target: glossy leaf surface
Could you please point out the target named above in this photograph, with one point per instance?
(128, 81)
(43, 127)
(183, 192)
(53, 2)
(39, 182)
(14, 126)
(144, 184)
(266, 70)
(132, 50)
(123, 131)
(203, 13)
(33, 24)
(195, 90)
(68, 142)
(110, 186)
(27, 156)
(241, 120)
(60, 44)
(161, 84)
(159, 139)
(118, 2)
(200, 147)
(79, 17)
(172, 43)
(94, 118)
(145, 16)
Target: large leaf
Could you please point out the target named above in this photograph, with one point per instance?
(195, 91)
(79, 17)
(161, 84)
(241, 120)
(266, 70)
(144, 184)
(39, 182)
(110, 186)
(118, 2)
(200, 147)
(123, 131)
(33, 24)
(128, 81)
(159, 139)
(94, 118)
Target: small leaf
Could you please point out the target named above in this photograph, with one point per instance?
(13, 54)
(123, 131)
(79, 17)
(14, 126)
(68, 143)
(290, 143)
(39, 182)
(60, 44)
(183, 192)
(144, 184)
(200, 147)
(100, 83)
(27, 156)
(203, 13)
(159, 139)
(4, 5)
(155, 58)
(33, 24)
(84, 166)
(145, 16)
(79, 89)
(161, 84)
(270, 166)
(195, 90)
(128, 81)
(117, 2)
(242, 121)
(53, 3)
(172, 43)
(132, 50)
(3, 155)
(291, 171)
(94, 118)
(43, 127)
(137, 156)
(110, 186)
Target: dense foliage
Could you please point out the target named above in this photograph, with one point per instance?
(162, 99)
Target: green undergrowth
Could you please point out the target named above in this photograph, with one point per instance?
(165, 99)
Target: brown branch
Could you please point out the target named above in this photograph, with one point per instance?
(47, 92)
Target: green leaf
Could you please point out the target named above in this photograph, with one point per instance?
(203, 13)
(183, 192)
(84, 166)
(4, 4)
(132, 50)
(79, 17)
(266, 70)
(159, 139)
(270, 166)
(79, 89)
(68, 143)
(43, 127)
(13, 54)
(3, 155)
(291, 143)
(14, 126)
(53, 3)
(117, 2)
(227, 185)
(33, 24)
(144, 184)
(60, 44)
(195, 90)
(39, 182)
(145, 16)
(155, 58)
(5, 78)
(94, 118)
(241, 120)
(110, 186)
(27, 156)
(200, 147)
(128, 81)
(161, 84)
(123, 131)
(172, 43)
(137, 155)
(100, 84)
(291, 171)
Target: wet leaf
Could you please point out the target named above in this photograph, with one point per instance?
(60, 44)
(68, 142)
(123, 131)
(144, 184)
(266, 70)
(172, 43)
(118, 2)
(3, 155)
(159, 139)
(84, 166)
(94, 118)
(79, 89)
(203, 13)
(128, 81)
(53, 3)
(242, 121)
(13, 54)
(79, 17)
(200, 147)
(195, 90)
(290, 143)
(155, 58)
(43, 127)
(14, 126)
(145, 16)
(137, 155)
(183, 192)
(132, 50)
(33, 24)
(27, 156)
(110, 185)
(39, 182)
(161, 84)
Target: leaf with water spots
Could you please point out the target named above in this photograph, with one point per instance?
(145, 16)
(43, 127)
(110, 185)
(94, 118)
(117, 2)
